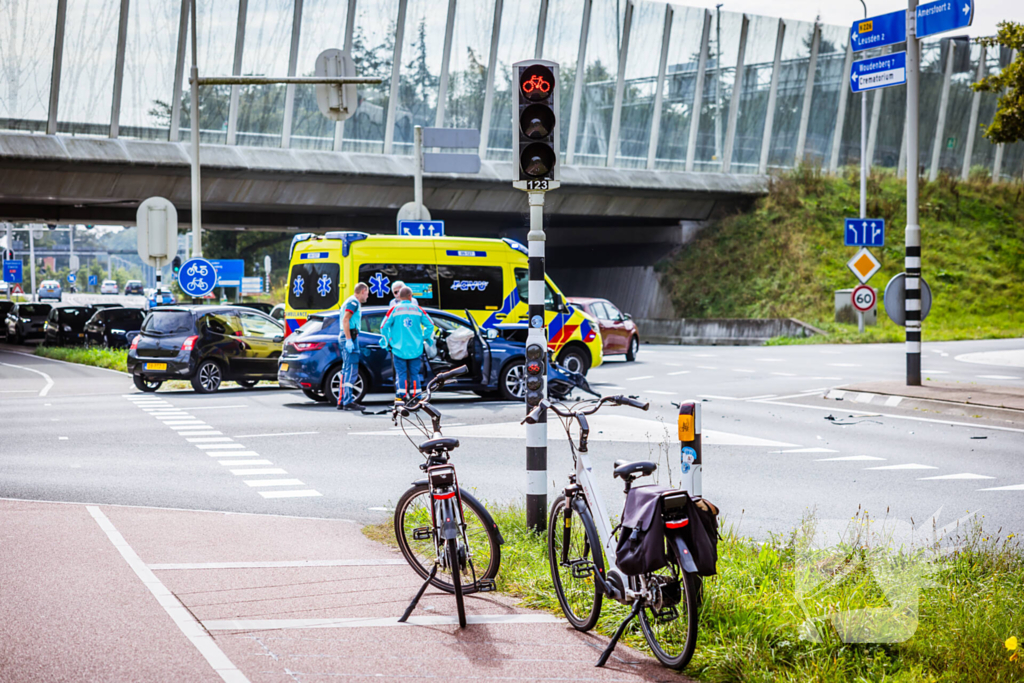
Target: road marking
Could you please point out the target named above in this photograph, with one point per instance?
(863, 398)
(253, 436)
(706, 367)
(903, 417)
(189, 425)
(49, 380)
(18, 391)
(232, 454)
(215, 446)
(720, 398)
(850, 458)
(784, 374)
(845, 365)
(632, 379)
(199, 432)
(758, 398)
(934, 372)
(679, 372)
(276, 565)
(370, 622)
(997, 377)
(662, 393)
(243, 462)
(908, 466)
(274, 482)
(769, 360)
(62, 438)
(382, 509)
(266, 470)
(742, 370)
(893, 401)
(1015, 487)
(182, 617)
(309, 493)
(964, 475)
(207, 439)
(807, 450)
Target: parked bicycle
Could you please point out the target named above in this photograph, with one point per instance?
(581, 536)
(445, 534)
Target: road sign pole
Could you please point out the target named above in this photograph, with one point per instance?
(10, 246)
(32, 259)
(418, 178)
(912, 263)
(197, 219)
(537, 434)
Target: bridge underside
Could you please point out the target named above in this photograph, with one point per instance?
(618, 216)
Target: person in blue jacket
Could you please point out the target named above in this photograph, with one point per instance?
(405, 330)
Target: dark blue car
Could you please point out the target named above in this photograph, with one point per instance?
(311, 359)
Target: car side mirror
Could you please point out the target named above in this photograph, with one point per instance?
(627, 316)
(491, 333)
(278, 339)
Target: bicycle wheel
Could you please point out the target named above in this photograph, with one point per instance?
(413, 512)
(670, 626)
(456, 574)
(573, 572)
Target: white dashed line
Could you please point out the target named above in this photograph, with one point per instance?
(274, 482)
(208, 439)
(232, 454)
(908, 466)
(662, 393)
(1015, 487)
(964, 475)
(633, 379)
(680, 372)
(290, 494)
(200, 432)
(742, 370)
(245, 462)
(268, 470)
(996, 377)
(784, 374)
(217, 446)
(706, 367)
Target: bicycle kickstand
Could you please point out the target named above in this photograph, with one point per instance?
(419, 594)
(637, 606)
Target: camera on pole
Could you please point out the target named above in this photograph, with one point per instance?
(536, 143)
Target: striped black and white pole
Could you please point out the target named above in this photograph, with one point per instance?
(912, 263)
(537, 434)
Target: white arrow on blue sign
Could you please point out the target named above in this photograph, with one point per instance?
(72, 278)
(421, 228)
(879, 72)
(197, 277)
(943, 15)
(885, 29)
(93, 280)
(864, 232)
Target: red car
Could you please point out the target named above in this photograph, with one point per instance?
(618, 331)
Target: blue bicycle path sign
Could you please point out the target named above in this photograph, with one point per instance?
(197, 277)
(864, 232)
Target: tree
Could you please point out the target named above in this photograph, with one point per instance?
(1008, 123)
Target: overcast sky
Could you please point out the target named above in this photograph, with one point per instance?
(987, 14)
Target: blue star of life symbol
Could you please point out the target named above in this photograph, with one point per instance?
(323, 285)
(379, 285)
(297, 286)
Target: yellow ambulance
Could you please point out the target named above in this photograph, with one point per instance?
(487, 277)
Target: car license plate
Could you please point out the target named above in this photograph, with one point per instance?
(284, 367)
(156, 366)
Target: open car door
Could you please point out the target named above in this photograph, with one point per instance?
(483, 351)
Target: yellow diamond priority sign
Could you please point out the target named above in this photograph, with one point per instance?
(864, 265)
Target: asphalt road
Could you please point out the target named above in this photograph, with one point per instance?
(72, 433)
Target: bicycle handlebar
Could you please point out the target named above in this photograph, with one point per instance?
(439, 381)
(559, 410)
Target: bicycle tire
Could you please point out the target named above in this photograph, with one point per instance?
(673, 641)
(485, 551)
(581, 612)
(453, 561)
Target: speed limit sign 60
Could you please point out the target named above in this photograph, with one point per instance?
(864, 298)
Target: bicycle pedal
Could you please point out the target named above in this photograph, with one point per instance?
(423, 533)
(486, 586)
(667, 614)
(581, 569)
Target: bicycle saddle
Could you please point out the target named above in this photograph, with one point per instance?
(444, 443)
(632, 470)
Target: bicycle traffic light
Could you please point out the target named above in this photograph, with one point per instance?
(176, 264)
(535, 366)
(536, 123)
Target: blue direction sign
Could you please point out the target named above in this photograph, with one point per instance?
(94, 280)
(943, 15)
(72, 278)
(864, 232)
(885, 29)
(229, 271)
(879, 72)
(197, 277)
(421, 228)
(12, 271)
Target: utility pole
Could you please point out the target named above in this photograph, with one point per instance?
(32, 258)
(912, 263)
(197, 220)
(864, 164)
(718, 83)
(418, 174)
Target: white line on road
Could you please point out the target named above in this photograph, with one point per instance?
(253, 436)
(190, 425)
(182, 617)
(232, 454)
(663, 393)
(784, 374)
(964, 475)
(199, 432)
(243, 462)
(632, 379)
(215, 446)
(274, 482)
(850, 458)
(371, 622)
(275, 565)
(49, 380)
(908, 466)
(743, 370)
(997, 377)
(208, 439)
(290, 494)
(1015, 487)
(706, 367)
(265, 470)
(18, 391)
(680, 372)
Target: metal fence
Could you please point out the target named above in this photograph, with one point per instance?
(645, 85)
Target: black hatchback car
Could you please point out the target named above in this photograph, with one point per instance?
(25, 321)
(206, 345)
(65, 325)
(111, 326)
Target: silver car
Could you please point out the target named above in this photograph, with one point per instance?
(49, 289)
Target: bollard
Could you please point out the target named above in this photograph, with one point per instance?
(689, 452)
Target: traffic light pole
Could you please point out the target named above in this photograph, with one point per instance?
(537, 434)
(912, 262)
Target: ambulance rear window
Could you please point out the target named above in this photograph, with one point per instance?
(420, 278)
(314, 286)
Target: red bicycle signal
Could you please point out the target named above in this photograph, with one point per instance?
(536, 83)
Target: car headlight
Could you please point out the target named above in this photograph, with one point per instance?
(26, 320)
(117, 331)
(67, 328)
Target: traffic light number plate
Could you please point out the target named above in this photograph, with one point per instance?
(537, 185)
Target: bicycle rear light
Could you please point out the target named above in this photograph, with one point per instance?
(673, 510)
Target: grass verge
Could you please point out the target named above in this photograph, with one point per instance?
(766, 616)
(98, 356)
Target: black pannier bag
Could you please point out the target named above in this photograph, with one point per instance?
(641, 546)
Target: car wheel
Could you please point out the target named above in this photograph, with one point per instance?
(247, 383)
(512, 382)
(634, 347)
(333, 386)
(314, 395)
(208, 377)
(147, 385)
(574, 360)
